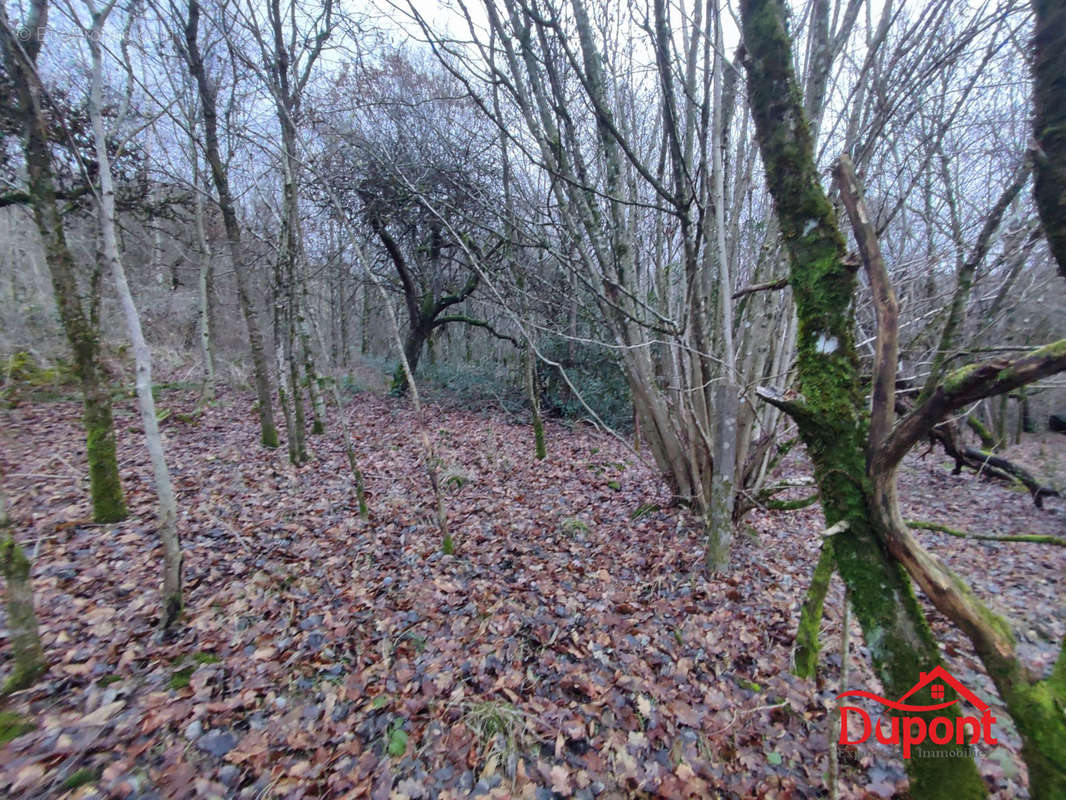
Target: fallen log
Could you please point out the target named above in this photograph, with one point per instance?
(949, 437)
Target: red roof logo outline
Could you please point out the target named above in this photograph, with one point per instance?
(938, 672)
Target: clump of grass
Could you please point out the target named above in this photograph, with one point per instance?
(396, 738)
(80, 778)
(497, 724)
(13, 725)
(205, 658)
(454, 479)
(572, 526)
(644, 510)
(181, 678)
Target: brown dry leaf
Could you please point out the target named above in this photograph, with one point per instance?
(560, 777)
(104, 713)
(26, 777)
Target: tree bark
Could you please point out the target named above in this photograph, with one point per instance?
(168, 508)
(209, 108)
(81, 328)
(29, 663)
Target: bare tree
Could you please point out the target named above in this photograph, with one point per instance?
(80, 317)
(168, 509)
(208, 94)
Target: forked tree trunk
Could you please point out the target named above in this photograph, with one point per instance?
(832, 417)
(81, 327)
(168, 509)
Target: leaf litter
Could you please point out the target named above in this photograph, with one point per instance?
(572, 647)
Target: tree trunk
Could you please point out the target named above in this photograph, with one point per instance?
(168, 509)
(29, 663)
(725, 395)
(720, 519)
(831, 415)
(81, 329)
(540, 448)
(209, 108)
(311, 374)
(287, 384)
(1049, 123)
(204, 284)
(412, 351)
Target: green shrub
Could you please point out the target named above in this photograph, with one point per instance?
(596, 374)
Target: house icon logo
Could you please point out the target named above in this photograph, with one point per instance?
(915, 722)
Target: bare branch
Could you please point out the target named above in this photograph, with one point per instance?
(769, 286)
(965, 386)
(886, 350)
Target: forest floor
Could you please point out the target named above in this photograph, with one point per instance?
(572, 646)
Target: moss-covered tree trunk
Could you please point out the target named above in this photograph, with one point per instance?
(805, 653)
(413, 344)
(831, 410)
(29, 661)
(81, 327)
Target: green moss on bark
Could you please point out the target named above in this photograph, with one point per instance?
(983, 433)
(1041, 709)
(538, 437)
(806, 652)
(269, 437)
(832, 416)
(29, 663)
(109, 505)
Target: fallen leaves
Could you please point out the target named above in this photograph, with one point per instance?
(571, 646)
(103, 714)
